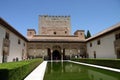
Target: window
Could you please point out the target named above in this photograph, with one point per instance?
(7, 35)
(24, 44)
(98, 42)
(30, 33)
(18, 41)
(94, 53)
(117, 36)
(90, 44)
(80, 33)
(54, 32)
(65, 32)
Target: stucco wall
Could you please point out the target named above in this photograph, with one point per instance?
(2, 35)
(105, 49)
(15, 49)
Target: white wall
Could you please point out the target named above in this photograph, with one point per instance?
(2, 35)
(15, 49)
(105, 49)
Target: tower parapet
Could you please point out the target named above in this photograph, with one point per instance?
(30, 33)
(54, 25)
(80, 34)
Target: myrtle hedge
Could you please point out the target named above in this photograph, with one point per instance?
(113, 63)
(17, 70)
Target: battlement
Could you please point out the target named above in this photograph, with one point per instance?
(54, 16)
(54, 25)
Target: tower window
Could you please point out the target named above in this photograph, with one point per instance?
(54, 32)
(30, 33)
(80, 33)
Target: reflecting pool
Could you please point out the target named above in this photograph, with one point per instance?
(73, 71)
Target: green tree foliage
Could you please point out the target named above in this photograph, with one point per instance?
(88, 34)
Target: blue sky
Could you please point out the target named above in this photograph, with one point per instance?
(93, 15)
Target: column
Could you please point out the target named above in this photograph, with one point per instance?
(78, 52)
(70, 53)
(34, 53)
(43, 53)
(62, 54)
(51, 55)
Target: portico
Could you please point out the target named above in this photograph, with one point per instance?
(56, 50)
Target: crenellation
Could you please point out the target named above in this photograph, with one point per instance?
(47, 23)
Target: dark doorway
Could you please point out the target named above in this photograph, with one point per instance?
(4, 58)
(94, 54)
(118, 54)
(56, 55)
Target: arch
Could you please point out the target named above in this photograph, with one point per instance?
(56, 47)
(56, 55)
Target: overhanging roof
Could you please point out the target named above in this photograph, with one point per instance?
(105, 32)
(9, 27)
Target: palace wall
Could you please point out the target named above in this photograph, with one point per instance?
(103, 50)
(41, 49)
(2, 33)
(105, 44)
(13, 44)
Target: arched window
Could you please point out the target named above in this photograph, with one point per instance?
(65, 32)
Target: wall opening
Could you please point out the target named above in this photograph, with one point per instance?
(56, 55)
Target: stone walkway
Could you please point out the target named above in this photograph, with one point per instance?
(101, 67)
(38, 73)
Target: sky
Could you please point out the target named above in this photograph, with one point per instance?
(92, 15)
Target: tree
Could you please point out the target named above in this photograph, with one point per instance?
(88, 34)
(85, 36)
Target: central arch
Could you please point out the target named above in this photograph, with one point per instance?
(56, 55)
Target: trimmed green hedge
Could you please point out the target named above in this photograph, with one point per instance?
(113, 63)
(17, 70)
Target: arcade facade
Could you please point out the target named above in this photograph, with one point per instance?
(57, 50)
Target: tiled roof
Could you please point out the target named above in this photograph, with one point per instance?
(54, 40)
(9, 27)
(106, 31)
(58, 38)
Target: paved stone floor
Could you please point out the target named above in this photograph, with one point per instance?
(38, 73)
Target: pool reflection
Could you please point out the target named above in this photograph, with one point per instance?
(72, 71)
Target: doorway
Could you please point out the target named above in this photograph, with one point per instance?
(56, 55)
(118, 54)
(4, 58)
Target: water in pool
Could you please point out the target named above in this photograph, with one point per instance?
(72, 71)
